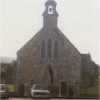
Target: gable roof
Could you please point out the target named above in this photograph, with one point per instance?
(31, 40)
(59, 33)
(67, 40)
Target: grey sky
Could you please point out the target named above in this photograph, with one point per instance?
(78, 20)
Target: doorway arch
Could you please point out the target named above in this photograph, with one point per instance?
(48, 76)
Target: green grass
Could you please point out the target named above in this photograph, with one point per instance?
(10, 87)
(89, 90)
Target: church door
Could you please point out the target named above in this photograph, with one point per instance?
(63, 88)
(48, 76)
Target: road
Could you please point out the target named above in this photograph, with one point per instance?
(33, 99)
(46, 99)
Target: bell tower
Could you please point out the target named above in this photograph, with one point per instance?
(50, 14)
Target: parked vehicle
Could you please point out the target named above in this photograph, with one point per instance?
(4, 91)
(40, 91)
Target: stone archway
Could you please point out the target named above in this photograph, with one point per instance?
(48, 76)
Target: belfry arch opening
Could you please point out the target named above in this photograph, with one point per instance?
(50, 9)
(48, 76)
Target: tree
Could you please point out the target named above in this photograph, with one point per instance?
(7, 72)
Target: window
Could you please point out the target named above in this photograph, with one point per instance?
(43, 49)
(50, 10)
(56, 49)
(49, 48)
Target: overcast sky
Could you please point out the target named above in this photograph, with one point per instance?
(78, 20)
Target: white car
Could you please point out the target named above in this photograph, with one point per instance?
(40, 91)
(3, 91)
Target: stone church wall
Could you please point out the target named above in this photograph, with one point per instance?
(67, 65)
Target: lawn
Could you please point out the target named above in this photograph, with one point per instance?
(89, 90)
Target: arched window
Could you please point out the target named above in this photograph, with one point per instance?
(50, 10)
(56, 49)
(43, 49)
(49, 48)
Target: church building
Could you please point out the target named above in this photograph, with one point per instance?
(49, 57)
